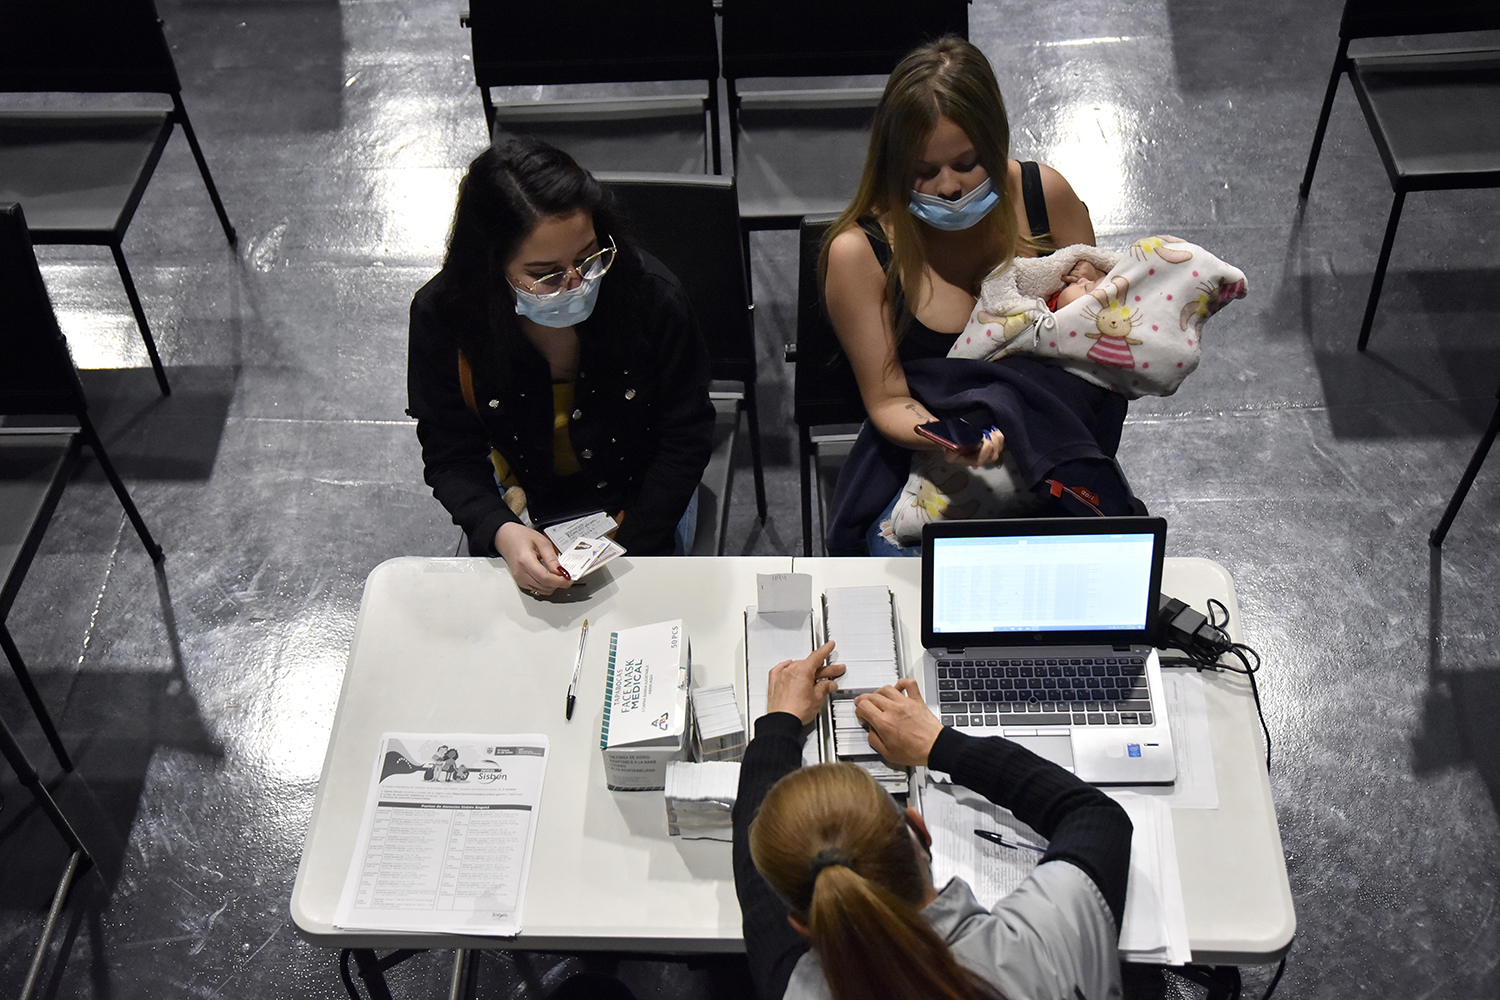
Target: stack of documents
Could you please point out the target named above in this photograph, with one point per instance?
(718, 731)
(445, 837)
(862, 623)
(700, 798)
(779, 627)
(991, 850)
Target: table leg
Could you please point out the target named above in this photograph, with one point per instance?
(372, 969)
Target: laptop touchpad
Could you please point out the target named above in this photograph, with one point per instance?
(1058, 749)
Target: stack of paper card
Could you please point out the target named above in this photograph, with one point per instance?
(862, 623)
(718, 731)
(587, 555)
(700, 798)
(779, 627)
(851, 742)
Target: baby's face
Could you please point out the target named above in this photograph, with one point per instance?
(1078, 282)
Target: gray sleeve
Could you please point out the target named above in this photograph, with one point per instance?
(1053, 937)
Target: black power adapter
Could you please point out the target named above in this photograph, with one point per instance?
(1178, 626)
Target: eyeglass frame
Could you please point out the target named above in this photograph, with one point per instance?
(613, 250)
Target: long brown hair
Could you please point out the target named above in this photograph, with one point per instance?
(947, 78)
(839, 852)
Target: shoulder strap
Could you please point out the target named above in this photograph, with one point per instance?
(878, 243)
(466, 383)
(1035, 199)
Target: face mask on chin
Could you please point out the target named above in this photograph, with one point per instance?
(952, 216)
(560, 309)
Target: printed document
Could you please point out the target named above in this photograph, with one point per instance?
(445, 843)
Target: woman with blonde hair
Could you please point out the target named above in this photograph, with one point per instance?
(941, 205)
(834, 879)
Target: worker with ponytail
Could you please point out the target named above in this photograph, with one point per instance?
(834, 878)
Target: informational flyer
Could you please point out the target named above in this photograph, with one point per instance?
(445, 842)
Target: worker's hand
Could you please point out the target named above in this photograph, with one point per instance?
(801, 686)
(902, 727)
(532, 559)
(986, 455)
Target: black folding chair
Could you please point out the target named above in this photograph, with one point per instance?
(81, 174)
(825, 394)
(1434, 115)
(800, 151)
(1481, 452)
(604, 42)
(39, 456)
(691, 224)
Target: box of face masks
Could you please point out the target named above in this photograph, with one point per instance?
(646, 705)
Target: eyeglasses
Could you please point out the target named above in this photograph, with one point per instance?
(592, 266)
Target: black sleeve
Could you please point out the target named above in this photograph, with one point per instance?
(1082, 824)
(455, 448)
(771, 945)
(683, 423)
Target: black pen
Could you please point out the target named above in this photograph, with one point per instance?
(577, 666)
(995, 838)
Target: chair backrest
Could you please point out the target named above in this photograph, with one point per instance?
(36, 371)
(85, 46)
(592, 41)
(831, 37)
(1381, 18)
(691, 223)
(824, 387)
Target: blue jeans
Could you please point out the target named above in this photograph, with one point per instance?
(687, 528)
(879, 545)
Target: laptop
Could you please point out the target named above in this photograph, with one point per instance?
(1040, 630)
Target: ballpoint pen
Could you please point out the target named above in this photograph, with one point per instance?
(995, 838)
(577, 666)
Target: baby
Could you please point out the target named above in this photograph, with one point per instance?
(1078, 281)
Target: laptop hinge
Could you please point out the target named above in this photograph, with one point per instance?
(955, 651)
(1121, 647)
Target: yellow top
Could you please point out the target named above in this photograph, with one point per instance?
(564, 461)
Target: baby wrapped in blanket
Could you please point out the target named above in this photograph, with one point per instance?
(1136, 330)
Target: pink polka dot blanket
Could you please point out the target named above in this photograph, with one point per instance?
(1138, 331)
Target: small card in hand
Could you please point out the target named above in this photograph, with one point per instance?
(588, 554)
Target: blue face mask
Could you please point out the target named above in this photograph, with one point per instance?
(560, 309)
(951, 216)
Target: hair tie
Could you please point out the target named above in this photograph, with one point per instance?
(828, 857)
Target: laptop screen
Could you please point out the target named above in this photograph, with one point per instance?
(1041, 582)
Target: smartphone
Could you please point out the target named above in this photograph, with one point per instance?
(955, 434)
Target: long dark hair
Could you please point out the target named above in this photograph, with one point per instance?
(508, 189)
(838, 851)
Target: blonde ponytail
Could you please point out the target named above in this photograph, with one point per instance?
(836, 848)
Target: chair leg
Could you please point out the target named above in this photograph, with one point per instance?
(140, 319)
(1385, 257)
(78, 863)
(1480, 453)
(38, 707)
(1317, 145)
(208, 180)
(753, 412)
(86, 428)
(804, 458)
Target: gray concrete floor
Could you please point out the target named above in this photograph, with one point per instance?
(283, 469)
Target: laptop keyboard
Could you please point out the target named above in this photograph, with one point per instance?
(1073, 691)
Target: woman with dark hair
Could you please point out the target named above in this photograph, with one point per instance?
(556, 368)
(941, 205)
(834, 878)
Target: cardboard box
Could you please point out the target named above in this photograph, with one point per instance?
(646, 707)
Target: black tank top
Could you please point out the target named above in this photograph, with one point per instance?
(919, 341)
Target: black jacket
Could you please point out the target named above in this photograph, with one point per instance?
(642, 423)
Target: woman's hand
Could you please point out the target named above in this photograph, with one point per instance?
(531, 558)
(986, 455)
(902, 727)
(801, 686)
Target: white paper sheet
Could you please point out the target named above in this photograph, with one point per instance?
(595, 525)
(1154, 928)
(445, 843)
(1197, 785)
